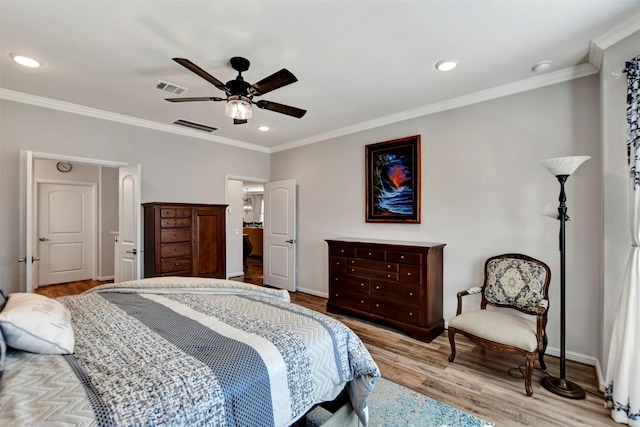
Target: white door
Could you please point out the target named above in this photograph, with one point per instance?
(128, 262)
(66, 232)
(279, 249)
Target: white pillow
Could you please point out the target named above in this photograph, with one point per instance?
(38, 324)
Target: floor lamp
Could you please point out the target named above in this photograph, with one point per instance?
(561, 168)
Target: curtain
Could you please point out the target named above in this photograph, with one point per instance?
(623, 369)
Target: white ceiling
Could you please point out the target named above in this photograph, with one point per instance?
(359, 63)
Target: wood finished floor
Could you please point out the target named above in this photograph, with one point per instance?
(477, 382)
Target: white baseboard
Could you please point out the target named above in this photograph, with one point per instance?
(235, 274)
(103, 278)
(313, 292)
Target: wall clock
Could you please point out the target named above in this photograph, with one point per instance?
(64, 166)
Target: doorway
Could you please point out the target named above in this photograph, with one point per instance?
(28, 215)
(244, 228)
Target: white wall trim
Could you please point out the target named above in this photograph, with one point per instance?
(104, 278)
(619, 32)
(313, 292)
(68, 107)
(559, 76)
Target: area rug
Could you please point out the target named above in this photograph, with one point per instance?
(392, 405)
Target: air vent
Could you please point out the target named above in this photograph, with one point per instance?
(170, 88)
(193, 125)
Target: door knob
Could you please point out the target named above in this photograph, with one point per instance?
(132, 251)
(290, 241)
(43, 239)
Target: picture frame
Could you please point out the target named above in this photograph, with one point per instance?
(393, 181)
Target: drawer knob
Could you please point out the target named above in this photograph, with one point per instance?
(408, 274)
(176, 234)
(388, 275)
(336, 279)
(342, 250)
(176, 263)
(176, 249)
(336, 294)
(389, 266)
(369, 253)
(353, 262)
(401, 256)
(353, 269)
(410, 314)
(361, 284)
(411, 294)
(377, 305)
(377, 287)
(361, 301)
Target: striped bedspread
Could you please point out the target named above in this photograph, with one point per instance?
(188, 351)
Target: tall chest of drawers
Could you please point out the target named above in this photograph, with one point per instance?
(397, 283)
(182, 239)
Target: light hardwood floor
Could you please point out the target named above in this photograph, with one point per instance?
(477, 382)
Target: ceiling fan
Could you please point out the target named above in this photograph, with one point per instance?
(240, 93)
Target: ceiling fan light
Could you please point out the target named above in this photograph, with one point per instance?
(238, 107)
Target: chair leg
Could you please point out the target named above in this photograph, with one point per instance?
(541, 354)
(529, 373)
(451, 332)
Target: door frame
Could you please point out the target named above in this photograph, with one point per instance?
(229, 226)
(94, 229)
(26, 195)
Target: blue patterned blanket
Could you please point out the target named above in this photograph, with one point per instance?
(189, 351)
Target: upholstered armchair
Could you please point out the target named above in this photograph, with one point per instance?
(517, 282)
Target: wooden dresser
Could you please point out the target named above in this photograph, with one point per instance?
(397, 283)
(182, 239)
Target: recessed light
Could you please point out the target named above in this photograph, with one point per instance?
(263, 128)
(541, 66)
(25, 60)
(447, 64)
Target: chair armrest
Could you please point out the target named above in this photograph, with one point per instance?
(541, 321)
(470, 291)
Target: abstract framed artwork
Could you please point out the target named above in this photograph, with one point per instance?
(393, 181)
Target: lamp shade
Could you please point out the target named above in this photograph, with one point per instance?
(550, 211)
(564, 165)
(238, 107)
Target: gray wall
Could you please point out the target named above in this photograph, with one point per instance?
(482, 194)
(175, 168)
(617, 241)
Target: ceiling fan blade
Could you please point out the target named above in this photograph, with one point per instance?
(202, 73)
(239, 122)
(201, 98)
(280, 108)
(275, 81)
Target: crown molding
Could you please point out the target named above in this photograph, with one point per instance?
(68, 107)
(536, 82)
(611, 37)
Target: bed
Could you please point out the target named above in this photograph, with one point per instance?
(177, 351)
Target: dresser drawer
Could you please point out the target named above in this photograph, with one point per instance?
(175, 222)
(343, 282)
(175, 251)
(374, 265)
(397, 311)
(406, 294)
(404, 257)
(338, 263)
(374, 274)
(351, 300)
(175, 213)
(343, 251)
(171, 235)
(410, 274)
(375, 254)
(172, 265)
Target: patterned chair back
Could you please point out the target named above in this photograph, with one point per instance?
(517, 281)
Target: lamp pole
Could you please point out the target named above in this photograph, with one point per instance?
(561, 386)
